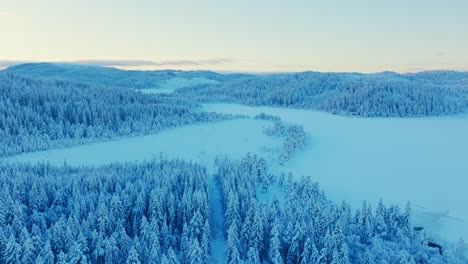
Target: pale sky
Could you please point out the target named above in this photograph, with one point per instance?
(239, 35)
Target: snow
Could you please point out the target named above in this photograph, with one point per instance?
(179, 82)
(157, 90)
(422, 160)
(218, 241)
(170, 85)
(199, 143)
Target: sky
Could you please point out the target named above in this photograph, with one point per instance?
(240, 35)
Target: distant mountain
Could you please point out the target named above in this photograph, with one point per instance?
(104, 76)
(440, 77)
(379, 94)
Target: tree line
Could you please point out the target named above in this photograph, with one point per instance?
(368, 95)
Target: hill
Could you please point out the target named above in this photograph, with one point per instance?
(104, 76)
(385, 94)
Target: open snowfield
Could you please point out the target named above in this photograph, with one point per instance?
(199, 143)
(170, 85)
(157, 90)
(422, 160)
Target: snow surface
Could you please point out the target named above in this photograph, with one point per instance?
(218, 240)
(199, 143)
(157, 90)
(422, 160)
(170, 85)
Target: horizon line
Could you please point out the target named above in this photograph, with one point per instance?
(135, 65)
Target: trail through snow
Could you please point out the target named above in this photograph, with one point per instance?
(218, 241)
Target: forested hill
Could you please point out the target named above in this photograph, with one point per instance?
(105, 76)
(37, 115)
(383, 94)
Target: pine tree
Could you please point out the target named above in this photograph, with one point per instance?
(111, 250)
(232, 250)
(232, 210)
(252, 256)
(133, 257)
(380, 225)
(11, 254)
(27, 253)
(185, 242)
(275, 244)
(256, 235)
(61, 258)
(171, 257)
(153, 245)
(205, 242)
(196, 224)
(309, 249)
(47, 254)
(195, 252)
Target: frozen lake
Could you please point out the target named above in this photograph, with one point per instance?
(422, 160)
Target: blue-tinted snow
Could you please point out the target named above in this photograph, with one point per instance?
(199, 143)
(422, 160)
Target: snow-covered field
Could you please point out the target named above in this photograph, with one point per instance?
(170, 85)
(157, 90)
(199, 143)
(422, 160)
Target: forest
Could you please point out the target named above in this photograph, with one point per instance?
(155, 212)
(369, 95)
(109, 77)
(37, 114)
(159, 212)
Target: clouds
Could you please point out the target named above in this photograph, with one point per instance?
(114, 63)
(8, 63)
(197, 62)
(132, 63)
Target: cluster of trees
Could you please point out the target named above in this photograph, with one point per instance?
(155, 212)
(37, 115)
(384, 94)
(305, 227)
(294, 136)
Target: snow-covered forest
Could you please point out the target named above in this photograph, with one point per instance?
(115, 78)
(159, 212)
(155, 212)
(385, 94)
(37, 115)
(162, 211)
(308, 228)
